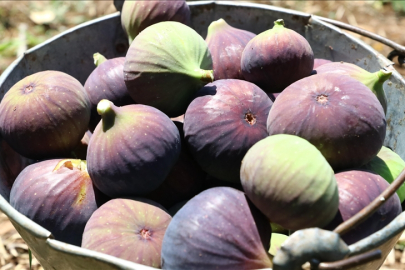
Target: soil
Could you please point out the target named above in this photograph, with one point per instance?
(25, 24)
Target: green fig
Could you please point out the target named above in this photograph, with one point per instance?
(166, 65)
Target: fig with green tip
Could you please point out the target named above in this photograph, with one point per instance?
(226, 44)
(106, 81)
(374, 81)
(45, 115)
(320, 61)
(132, 149)
(138, 15)
(290, 181)
(276, 58)
(127, 229)
(389, 165)
(166, 65)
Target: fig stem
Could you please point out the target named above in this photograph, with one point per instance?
(372, 207)
(98, 59)
(279, 22)
(105, 108)
(352, 261)
(207, 76)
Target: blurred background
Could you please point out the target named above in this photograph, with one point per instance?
(25, 24)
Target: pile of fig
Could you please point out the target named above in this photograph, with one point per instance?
(190, 153)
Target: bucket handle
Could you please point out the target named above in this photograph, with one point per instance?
(399, 50)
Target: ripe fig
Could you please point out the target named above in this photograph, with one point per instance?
(374, 81)
(225, 119)
(337, 114)
(45, 115)
(132, 149)
(127, 229)
(57, 194)
(388, 165)
(138, 15)
(226, 44)
(217, 229)
(166, 65)
(11, 164)
(106, 82)
(276, 58)
(290, 181)
(357, 189)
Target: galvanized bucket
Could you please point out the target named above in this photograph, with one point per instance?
(71, 52)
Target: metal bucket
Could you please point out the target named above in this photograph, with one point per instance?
(71, 52)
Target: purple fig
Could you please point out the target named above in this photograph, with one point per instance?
(58, 195)
(217, 229)
(374, 81)
(132, 149)
(127, 229)
(45, 115)
(337, 114)
(220, 125)
(357, 189)
(106, 82)
(226, 44)
(319, 62)
(276, 58)
(138, 15)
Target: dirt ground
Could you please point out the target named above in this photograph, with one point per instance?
(27, 23)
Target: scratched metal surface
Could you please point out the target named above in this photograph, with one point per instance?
(72, 51)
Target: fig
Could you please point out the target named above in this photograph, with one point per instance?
(357, 189)
(217, 229)
(388, 165)
(276, 58)
(127, 229)
(319, 62)
(138, 15)
(374, 81)
(184, 181)
(290, 181)
(58, 195)
(337, 114)
(225, 119)
(166, 65)
(226, 44)
(11, 164)
(45, 115)
(106, 81)
(132, 149)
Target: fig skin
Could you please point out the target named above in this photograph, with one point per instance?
(220, 125)
(166, 65)
(58, 195)
(276, 58)
(127, 229)
(45, 115)
(132, 149)
(184, 181)
(226, 44)
(11, 164)
(337, 114)
(374, 81)
(290, 181)
(138, 15)
(357, 189)
(217, 229)
(106, 81)
(319, 62)
(388, 165)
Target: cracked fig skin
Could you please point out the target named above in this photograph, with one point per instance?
(132, 149)
(166, 65)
